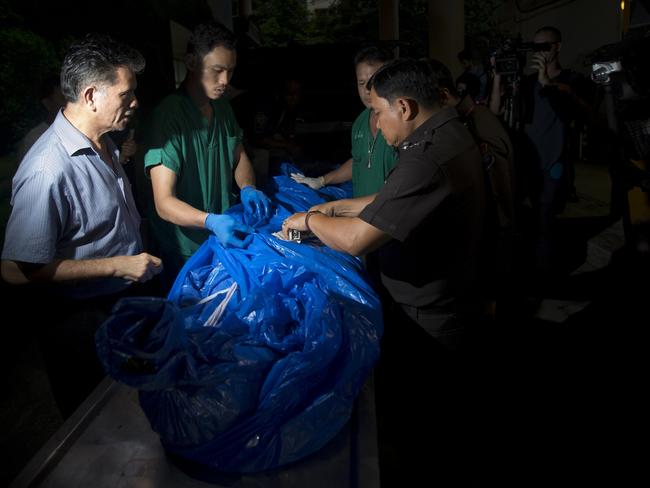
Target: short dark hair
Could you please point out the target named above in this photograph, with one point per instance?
(406, 78)
(442, 75)
(553, 30)
(373, 55)
(95, 59)
(205, 37)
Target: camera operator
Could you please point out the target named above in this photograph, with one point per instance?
(552, 101)
(622, 73)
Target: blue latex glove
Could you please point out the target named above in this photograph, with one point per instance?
(255, 202)
(224, 227)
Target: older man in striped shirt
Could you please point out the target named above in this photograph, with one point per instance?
(74, 226)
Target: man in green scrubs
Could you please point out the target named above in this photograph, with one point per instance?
(372, 158)
(194, 150)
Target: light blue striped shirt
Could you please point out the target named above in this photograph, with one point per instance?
(67, 203)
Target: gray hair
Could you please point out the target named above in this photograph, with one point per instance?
(95, 59)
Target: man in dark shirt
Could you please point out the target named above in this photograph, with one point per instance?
(428, 217)
(426, 222)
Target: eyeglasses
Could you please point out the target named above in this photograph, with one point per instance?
(543, 46)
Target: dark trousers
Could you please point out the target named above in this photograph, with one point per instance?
(66, 336)
(425, 406)
(550, 202)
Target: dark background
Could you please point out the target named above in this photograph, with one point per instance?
(572, 386)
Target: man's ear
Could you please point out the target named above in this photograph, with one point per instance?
(407, 108)
(89, 96)
(443, 94)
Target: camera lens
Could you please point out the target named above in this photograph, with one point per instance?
(542, 46)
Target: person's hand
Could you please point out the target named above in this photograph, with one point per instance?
(255, 202)
(538, 62)
(129, 148)
(141, 267)
(226, 228)
(313, 183)
(296, 222)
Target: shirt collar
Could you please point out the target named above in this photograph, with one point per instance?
(422, 135)
(72, 139)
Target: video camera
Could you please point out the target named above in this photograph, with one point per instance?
(625, 66)
(623, 72)
(510, 57)
(602, 72)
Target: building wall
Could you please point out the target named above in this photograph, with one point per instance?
(446, 32)
(585, 25)
(221, 11)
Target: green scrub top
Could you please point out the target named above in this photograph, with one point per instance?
(202, 153)
(372, 158)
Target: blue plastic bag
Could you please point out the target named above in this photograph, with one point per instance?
(265, 370)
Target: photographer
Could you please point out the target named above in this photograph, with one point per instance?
(551, 100)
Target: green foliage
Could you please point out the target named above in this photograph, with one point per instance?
(281, 21)
(480, 16)
(7, 15)
(345, 21)
(25, 60)
(482, 24)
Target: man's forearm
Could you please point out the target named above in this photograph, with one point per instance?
(495, 96)
(350, 235)
(57, 271)
(244, 172)
(339, 175)
(352, 207)
(180, 213)
(348, 207)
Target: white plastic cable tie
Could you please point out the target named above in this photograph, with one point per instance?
(213, 319)
(213, 296)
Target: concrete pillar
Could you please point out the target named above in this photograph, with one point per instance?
(221, 11)
(245, 8)
(447, 32)
(389, 21)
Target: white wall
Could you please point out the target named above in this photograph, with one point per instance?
(585, 25)
(179, 35)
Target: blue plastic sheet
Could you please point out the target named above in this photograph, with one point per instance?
(275, 378)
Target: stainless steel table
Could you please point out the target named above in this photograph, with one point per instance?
(108, 443)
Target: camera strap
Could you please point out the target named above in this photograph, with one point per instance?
(487, 156)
